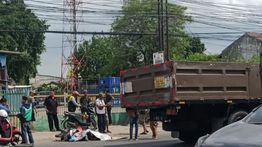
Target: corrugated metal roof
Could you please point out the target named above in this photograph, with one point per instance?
(257, 36)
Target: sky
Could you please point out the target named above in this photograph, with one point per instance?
(230, 17)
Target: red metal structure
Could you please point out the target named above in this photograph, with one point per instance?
(70, 64)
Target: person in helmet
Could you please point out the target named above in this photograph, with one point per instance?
(72, 104)
(5, 128)
(4, 106)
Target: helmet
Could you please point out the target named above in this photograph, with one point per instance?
(85, 91)
(3, 113)
(75, 93)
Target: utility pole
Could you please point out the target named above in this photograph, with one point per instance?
(159, 25)
(163, 28)
(167, 37)
(74, 27)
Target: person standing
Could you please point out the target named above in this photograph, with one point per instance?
(86, 108)
(142, 120)
(133, 121)
(25, 117)
(153, 122)
(32, 101)
(4, 105)
(51, 106)
(101, 113)
(72, 104)
(109, 103)
(109, 100)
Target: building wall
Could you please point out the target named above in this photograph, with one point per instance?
(242, 49)
(43, 79)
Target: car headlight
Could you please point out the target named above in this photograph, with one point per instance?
(201, 140)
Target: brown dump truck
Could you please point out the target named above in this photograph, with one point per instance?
(193, 98)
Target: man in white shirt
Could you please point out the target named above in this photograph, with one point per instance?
(101, 113)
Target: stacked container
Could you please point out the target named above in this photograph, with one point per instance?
(111, 84)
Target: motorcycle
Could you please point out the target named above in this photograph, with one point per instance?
(10, 134)
(72, 120)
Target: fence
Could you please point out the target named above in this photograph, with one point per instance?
(14, 99)
(118, 114)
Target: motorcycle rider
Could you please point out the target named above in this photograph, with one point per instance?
(4, 108)
(72, 104)
(87, 108)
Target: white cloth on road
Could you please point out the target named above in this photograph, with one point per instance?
(100, 136)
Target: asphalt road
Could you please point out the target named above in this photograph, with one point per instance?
(47, 139)
(163, 141)
(119, 143)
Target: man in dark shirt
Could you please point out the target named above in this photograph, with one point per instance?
(51, 111)
(109, 102)
(85, 103)
(86, 107)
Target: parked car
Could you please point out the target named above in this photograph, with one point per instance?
(244, 133)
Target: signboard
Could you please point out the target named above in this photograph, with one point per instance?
(158, 57)
(126, 87)
(117, 102)
(162, 82)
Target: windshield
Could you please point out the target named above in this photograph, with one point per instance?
(255, 117)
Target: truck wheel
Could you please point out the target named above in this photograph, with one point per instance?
(188, 137)
(236, 116)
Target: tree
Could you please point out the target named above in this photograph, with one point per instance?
(202, 57)
(195, 46)
(15, 16)
(127, 51)
(141, 16)
(96, 56)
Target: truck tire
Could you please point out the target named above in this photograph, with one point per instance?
(236, 116)
(188, 137)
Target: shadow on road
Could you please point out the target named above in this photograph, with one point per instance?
(154, 144)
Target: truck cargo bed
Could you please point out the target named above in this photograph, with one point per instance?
(173, 82)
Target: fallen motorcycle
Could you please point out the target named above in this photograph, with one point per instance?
(72, 119)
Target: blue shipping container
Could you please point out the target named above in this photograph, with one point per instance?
(109, 81)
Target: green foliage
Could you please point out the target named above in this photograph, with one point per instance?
(58, 87)
(202, 57)
(97, 56)
(15, 16)
(108, 55)
(255, 59)
(141, 16)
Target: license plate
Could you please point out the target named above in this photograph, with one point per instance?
(160, 82)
